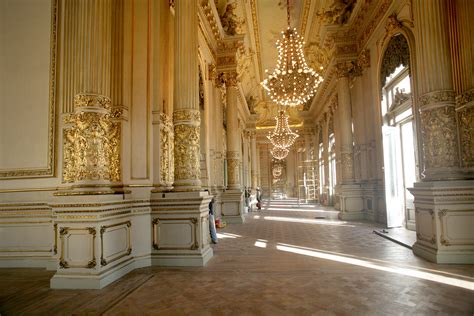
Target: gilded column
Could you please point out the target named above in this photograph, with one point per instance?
(253, 157)
(345, 124)
(186, 117)
(436, 102)
(233, 144)
(91, 151)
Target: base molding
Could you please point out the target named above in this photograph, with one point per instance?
(443, 256)
(352, 216)
(184, 260)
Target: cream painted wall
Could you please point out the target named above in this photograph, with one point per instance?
(25, 27)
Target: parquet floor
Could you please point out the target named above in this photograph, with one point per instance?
(284, 260)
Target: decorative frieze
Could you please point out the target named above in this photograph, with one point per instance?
(437, 98)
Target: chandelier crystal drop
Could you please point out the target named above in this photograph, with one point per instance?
(292, 83)
(282, 136)
(279, 153)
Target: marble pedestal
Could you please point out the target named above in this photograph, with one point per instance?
(233, 206)
(351, 202)
(444, 221)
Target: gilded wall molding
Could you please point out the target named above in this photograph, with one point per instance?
(49, 170)
(128, 250)
(156, 222)
(64, 232)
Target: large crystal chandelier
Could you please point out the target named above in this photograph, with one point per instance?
(279, 153)
(292, 82)
(282, 136)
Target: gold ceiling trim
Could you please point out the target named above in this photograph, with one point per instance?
(49, 170)
(272, 127)
(253, 6)
(304, 18)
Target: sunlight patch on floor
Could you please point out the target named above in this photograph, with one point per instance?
(227, 235)
(373, 265)
(307, 221)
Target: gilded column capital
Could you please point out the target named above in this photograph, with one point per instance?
(437, 98)
(230, 79)
(186, 116)
(347, 69)
(90, 100)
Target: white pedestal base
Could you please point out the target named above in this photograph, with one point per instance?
(233, 206)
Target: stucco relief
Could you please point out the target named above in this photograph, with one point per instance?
(438, 130)
(167, 150)
(466, 135)
(186, 152)
(92, 145)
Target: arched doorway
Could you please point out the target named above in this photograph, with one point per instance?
(398, 129)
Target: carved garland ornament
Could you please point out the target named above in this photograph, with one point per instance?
(167, 150)
(92, 144)
(233, 170)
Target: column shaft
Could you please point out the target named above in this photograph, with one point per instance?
(345, 130)
(186, 116)
(253, 158)
(233, 143)
(440, 148)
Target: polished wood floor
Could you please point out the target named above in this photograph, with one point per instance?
(285, 260)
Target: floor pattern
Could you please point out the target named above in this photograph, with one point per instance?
(285, 260)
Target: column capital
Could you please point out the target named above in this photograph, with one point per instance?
(229, 79)
(348, 68)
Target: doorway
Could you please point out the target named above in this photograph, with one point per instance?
(398, 130)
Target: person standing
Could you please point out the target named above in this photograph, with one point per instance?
(259, 199)
(212, 223)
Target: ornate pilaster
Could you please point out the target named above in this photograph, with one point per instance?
(253, 157)
(233, 144)
(164, 153)
(92, 133)
(186, 117)
(325, 154)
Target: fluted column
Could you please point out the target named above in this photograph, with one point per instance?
(439, 138)
(253, 153)
(345, 126)
(233, 144)
(325, 125)
(91, 152)
(186, 117)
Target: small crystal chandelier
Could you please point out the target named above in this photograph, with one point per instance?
(282, 136)
(279, 153)
(292, 82)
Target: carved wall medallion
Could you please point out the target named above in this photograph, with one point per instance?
(438, 131)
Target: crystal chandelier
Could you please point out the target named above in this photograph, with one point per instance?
(282, 136)
(279, 153)
(292, 82)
